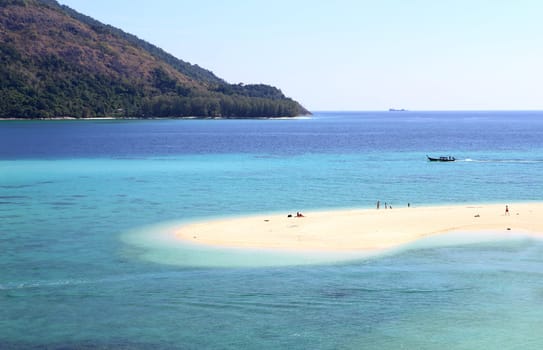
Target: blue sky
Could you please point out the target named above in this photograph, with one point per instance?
(353, 55)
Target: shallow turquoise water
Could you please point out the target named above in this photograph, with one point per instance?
(87, 259)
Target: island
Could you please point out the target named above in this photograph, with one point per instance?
(368, 230)
(56, 62)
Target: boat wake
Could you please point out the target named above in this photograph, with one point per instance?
(520, 161)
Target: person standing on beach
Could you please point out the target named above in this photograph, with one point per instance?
(378, 204)
(506, 210)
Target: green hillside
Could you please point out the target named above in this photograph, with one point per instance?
(56, 62)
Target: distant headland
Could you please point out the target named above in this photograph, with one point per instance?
(58, 63)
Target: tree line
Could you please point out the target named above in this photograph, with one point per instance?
(61, 90)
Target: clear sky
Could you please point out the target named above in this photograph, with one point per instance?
(353, 54)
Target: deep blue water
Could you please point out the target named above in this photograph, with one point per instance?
(86, 261)
(465, 133)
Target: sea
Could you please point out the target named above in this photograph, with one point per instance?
(89, 208)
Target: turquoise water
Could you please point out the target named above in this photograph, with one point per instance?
(87, 210)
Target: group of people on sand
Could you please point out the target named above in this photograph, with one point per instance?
(389, 206)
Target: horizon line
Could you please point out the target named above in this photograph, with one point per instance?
(394, 110)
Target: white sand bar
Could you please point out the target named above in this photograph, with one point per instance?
(362, 229)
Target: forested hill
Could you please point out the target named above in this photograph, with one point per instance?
(56, 62)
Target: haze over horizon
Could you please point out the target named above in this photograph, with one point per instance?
(353, 55)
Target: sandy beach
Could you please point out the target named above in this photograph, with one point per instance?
(362, 229)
